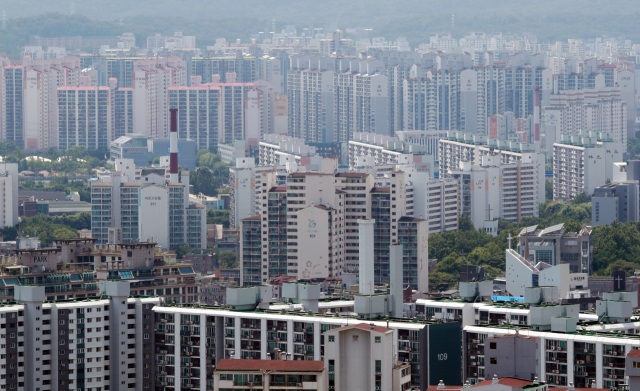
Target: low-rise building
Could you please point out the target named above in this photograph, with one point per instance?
(270, 374)
(555, 246)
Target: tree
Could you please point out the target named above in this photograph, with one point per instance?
(465, 223)
(155, 160)
(548, 190)
(218, 217)
(181, 250)
(572, 225)
(581, 199)
(620, 241)
(227, 260)
(203, 182)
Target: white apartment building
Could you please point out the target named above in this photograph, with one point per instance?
(177, 41)
(84, 116)
(288, 221)
(583, 162)
(442, 42)
(222, 113)
(275, 149)
(493, 190)
(368, 350)
(217, 333)
(360, 99)
(246, 183)
(597, 110)
(41, 81)
(584, 358)
(376, 150)
(469, 147)
(9, 195)
(146, 206)
(152, 79)
(436, 200)
(98, 343)
(310, 95)
(273, 70)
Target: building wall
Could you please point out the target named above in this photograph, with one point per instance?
(154, 206)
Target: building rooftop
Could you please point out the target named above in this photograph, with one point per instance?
(270, 365)
(364, 326)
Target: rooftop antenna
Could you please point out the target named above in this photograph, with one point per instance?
(4, 19)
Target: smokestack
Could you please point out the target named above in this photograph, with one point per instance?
(173, 147)
(536, 116)
(395, 264)
(365, 247)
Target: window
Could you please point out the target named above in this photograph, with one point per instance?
(332, 338)
(492, 345)
(493, 360)
(378, 339)
(355, 338)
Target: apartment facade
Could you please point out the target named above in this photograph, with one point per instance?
(244, 68)
(151, 80)
(94, 343)
(41, 81)
(151, 208)
(494, 190)
(291, 219)
(310, 95)
(215, 334)
(84, 117)
(583, 162)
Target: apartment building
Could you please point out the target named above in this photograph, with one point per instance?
(385, 150)
(177, 41)
(469, 147)
(100, 343)
(73, 268)
(581, 357)
(41, 81)
(310, 98)
(122, 109)
(210, 334)
(270, 374)
(246, 180)
(12, 102)
(84, 117)
(151, 80)
(292, 215)
(493, 190)
(365, 349)
(616, 201)
(244, 67)
(436, 200)
(151, 207)
(583, 162)
(275, 149)
(599, 110)
(360, 99)
(9, 195)
(120, 68)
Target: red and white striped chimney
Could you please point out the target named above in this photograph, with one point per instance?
(173, 147)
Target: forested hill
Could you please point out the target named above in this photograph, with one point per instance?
(354, 12)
